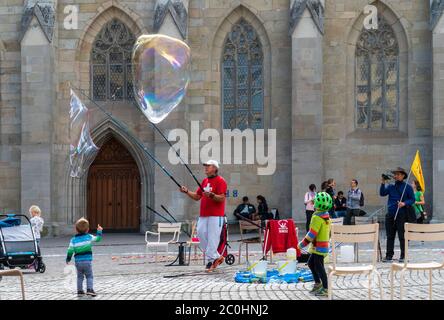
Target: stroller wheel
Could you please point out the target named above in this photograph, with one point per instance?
(229, 259)
(42, 268)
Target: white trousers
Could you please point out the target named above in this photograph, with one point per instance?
(208, 231)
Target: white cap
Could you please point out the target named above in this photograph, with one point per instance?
(212, 163)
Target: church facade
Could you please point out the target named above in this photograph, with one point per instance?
(347, 102)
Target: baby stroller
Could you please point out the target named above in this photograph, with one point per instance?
(18, 246)
(224, 245)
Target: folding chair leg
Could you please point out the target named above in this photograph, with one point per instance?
(380, 251)
(189, 256)
(330, 286)
(240, 252)
(392, 283)
(356, 253)
(22, 284)
(380, 284)
(401, 288)
(246, 246)
(370, 285)
(430, 285)
(148, 253)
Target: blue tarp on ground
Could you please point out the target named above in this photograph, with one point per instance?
(302, 275)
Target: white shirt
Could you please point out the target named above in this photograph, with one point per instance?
(37, 226)
(309, 196)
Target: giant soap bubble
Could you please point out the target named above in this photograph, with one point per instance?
(161, 74)
(78, 116)
(82, 148)
(83, 154)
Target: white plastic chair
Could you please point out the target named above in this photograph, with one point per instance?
(355, 234)
(163, 228)
(418, 232)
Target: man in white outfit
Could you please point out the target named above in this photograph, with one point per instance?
(212, 212)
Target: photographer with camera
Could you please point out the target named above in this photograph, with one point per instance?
(400, 197)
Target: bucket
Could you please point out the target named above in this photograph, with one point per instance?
(287, 267)
(291, 254)
(259, 268)
(347, 254)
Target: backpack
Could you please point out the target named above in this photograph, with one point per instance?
(362, 200)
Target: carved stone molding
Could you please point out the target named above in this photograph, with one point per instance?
(315, 8)
(177, 10)
(44, 12)
(436, 10)
(113, 152)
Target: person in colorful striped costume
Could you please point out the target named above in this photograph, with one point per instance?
(319, 236)
(81, 247)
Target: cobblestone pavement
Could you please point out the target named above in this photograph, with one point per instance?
(124, 271)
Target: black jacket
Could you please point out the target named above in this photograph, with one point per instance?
(240, 208)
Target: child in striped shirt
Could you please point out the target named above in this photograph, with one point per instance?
(81, 247)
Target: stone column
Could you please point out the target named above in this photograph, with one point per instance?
(38, 101)
(307, 164)
(438, 112)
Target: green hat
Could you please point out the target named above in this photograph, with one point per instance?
(323, 201)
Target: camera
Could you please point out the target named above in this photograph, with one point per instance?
(386, 176)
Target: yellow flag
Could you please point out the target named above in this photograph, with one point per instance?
(417, 171)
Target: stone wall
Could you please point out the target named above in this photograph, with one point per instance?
(349, 153)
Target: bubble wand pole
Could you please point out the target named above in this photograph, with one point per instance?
(123, 127)
(178, 155)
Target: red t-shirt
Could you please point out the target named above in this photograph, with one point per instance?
(209, 207)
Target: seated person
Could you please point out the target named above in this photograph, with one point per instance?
(262, 210)
(245, 209)
(340, 205)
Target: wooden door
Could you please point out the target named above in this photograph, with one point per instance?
(114, 189)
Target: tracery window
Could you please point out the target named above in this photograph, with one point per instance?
(377, 78)
(111, 77)
(242, 79)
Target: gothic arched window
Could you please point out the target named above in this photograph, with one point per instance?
(111, 77)
(377, 78)
(242, 79)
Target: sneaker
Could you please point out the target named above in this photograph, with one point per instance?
(209, 264)
(217, 262)
(401, 260)
(322, 293)
(387, 260)
(80, 293)
(316, 287)
(91, 293)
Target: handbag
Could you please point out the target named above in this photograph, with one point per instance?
(411, 214)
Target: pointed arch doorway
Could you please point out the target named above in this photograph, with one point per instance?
(114, 189)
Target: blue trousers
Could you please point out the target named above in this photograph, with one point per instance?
(84, 270)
